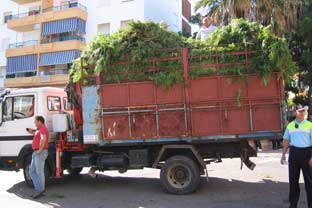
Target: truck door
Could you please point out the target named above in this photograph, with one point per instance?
(17, 114)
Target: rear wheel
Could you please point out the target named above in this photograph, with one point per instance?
(47, 172)
(180, 175)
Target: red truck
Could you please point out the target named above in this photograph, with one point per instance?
(132, 125)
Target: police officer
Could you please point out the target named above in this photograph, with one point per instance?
(298, 138)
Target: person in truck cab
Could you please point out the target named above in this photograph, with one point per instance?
(31, 109)
(40, 153)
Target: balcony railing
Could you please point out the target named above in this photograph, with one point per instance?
(66, 6)
(55, 8)
(20, 75)
(62, 38)
(23, 44)
(54, 72)
(26, 14)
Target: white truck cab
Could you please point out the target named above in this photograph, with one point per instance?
(17, 111)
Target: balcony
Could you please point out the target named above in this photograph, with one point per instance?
(19, 82)
(53, 80)
(46, 46)
(69, 10)
(54, 75)
(24, 22)
(22, 48)
(26, 14)
(48, 76)
(65, 7)
(42, 80)
(61, 38)
(54, 70)
(30, 20)
(24, 1)
(61, 46)
(23, 44)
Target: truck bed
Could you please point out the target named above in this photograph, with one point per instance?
(207, 109)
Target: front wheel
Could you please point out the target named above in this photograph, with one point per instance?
(180, 175)
(47, 172)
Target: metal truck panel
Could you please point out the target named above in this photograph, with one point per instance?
(92, 122)
(230, 86)
(139, 93)
(142, 111)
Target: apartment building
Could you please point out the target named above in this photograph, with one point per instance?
(6, 36)
(42, 37)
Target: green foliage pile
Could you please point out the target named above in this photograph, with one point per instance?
(137, 45)
(272, 53)
(110, 56)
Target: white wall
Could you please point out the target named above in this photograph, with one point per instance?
(116, 11)
(169, 11)
(111, 11)
(31, 35)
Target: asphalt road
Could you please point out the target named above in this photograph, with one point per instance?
(229, 186)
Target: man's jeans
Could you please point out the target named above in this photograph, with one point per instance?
(36, 170)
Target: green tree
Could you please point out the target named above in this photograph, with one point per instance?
(282, 15)
(301, 46)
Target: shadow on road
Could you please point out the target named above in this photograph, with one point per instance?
(105, 191)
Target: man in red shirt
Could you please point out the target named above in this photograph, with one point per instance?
(40, 147)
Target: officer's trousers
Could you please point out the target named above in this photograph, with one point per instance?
(299, 160)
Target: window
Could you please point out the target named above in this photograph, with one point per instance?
(7, 16)
(18, 107)
(70, 4)
(67, 104)
(54, 103)
(34, 10)
(124, 23)
(4, 44)
(2, 72)
(104, 3)
(104, 28)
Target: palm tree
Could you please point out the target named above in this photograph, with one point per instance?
(281, 15)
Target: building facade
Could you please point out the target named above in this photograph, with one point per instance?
(44, 36)
(6, 36)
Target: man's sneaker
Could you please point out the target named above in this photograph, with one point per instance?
(36, 195)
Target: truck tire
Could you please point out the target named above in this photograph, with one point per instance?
(74, 171)
(180, 175)
(27, 178)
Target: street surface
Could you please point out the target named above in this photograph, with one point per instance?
(266, 186)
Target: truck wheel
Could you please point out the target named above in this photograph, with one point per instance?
(27, 177)
(26, 173)
(74, 171)
(180, 175)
